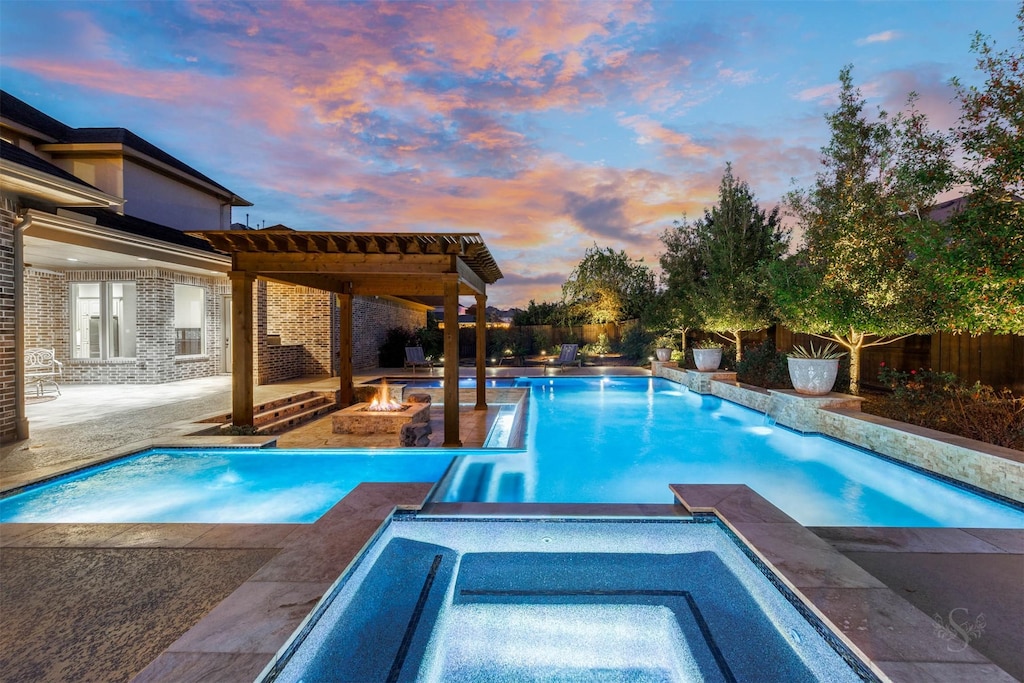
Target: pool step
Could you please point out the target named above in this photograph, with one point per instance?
(304, 408)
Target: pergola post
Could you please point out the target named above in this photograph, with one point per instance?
(451, 361)
(481, 352)
(241, 348)
(345, 395)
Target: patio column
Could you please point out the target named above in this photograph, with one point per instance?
(451, 361)
(241, 348)
(345, 396)
(481, 352)
(21, 430)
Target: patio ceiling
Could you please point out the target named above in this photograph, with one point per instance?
(397, 264)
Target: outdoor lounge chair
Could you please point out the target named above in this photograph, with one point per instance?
(414, 358)
(567, 356)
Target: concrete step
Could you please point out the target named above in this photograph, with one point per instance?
(275, 413)
(295, 419)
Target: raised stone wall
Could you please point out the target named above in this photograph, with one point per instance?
(991, 468)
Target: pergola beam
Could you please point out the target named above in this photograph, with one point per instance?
(444, 265)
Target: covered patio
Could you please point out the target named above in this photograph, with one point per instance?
(424, 267)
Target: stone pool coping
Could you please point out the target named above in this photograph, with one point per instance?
(243, 635)
(895, 639)
(984, 466)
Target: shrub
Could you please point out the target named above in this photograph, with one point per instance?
(391, 353)
(637, 344)
(764, 366)
(431, 338)
(601, 346)
(939, 400)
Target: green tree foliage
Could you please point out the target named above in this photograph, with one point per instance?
(608, 286)
(544, 313)
(736, 240)
(978, 254)
(675, 306)
(855, 280)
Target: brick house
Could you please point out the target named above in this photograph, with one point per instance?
(95, 264)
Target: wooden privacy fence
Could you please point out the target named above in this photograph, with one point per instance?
(993, 359)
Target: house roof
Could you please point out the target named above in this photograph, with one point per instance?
(28, 117)
(25, 158)
(144, 228)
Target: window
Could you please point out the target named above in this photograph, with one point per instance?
(189, 314)
(103, 320)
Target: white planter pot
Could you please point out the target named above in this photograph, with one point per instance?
(663, 354)
(813, 376)
(707, 360)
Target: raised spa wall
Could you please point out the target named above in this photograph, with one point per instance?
(985, 466)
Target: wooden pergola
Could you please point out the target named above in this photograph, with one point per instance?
(419, 266)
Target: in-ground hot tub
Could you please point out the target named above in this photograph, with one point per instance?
(505, 600)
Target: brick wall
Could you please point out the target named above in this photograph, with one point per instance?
(46, 311)
(48, 324)
(372, 317)
(303, 317)
(8, 359)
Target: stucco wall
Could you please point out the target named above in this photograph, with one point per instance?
(166, 201)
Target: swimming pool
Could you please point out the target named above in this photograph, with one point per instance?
(263, 486)
(437, 382)
(623, 440)
(510, 600)
(590, 440)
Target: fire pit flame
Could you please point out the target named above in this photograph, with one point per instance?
(382, 402)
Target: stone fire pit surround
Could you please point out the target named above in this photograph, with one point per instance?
(358, 420)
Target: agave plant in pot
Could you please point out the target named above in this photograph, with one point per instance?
(664, 346)
(813, 371)
(707, 355)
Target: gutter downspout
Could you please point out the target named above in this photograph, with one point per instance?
(20, 419)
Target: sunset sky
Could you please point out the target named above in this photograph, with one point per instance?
(545, 126)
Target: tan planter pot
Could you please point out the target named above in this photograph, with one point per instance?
(707, 360)
(813, 376)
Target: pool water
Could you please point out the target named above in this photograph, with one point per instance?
(559, 600)
(624, 440)
(590, 440)
(218, 485)
(437, 382)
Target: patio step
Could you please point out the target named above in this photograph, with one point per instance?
(305, 408)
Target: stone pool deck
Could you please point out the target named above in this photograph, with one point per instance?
(108, 601)
(206, 602)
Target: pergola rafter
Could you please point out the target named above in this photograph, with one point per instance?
(411, 265)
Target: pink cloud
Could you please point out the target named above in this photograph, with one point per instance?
(881, 37)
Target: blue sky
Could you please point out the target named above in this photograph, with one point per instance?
(545, 126)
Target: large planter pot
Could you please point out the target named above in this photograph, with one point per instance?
(707, 360)
(663, 354)
(813, 376)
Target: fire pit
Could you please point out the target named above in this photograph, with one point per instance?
(382, 415)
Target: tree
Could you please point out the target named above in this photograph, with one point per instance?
(682, 272)
(544, 313)
(736, 240)
(608, 286)
(978, 254)
(855, 280)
